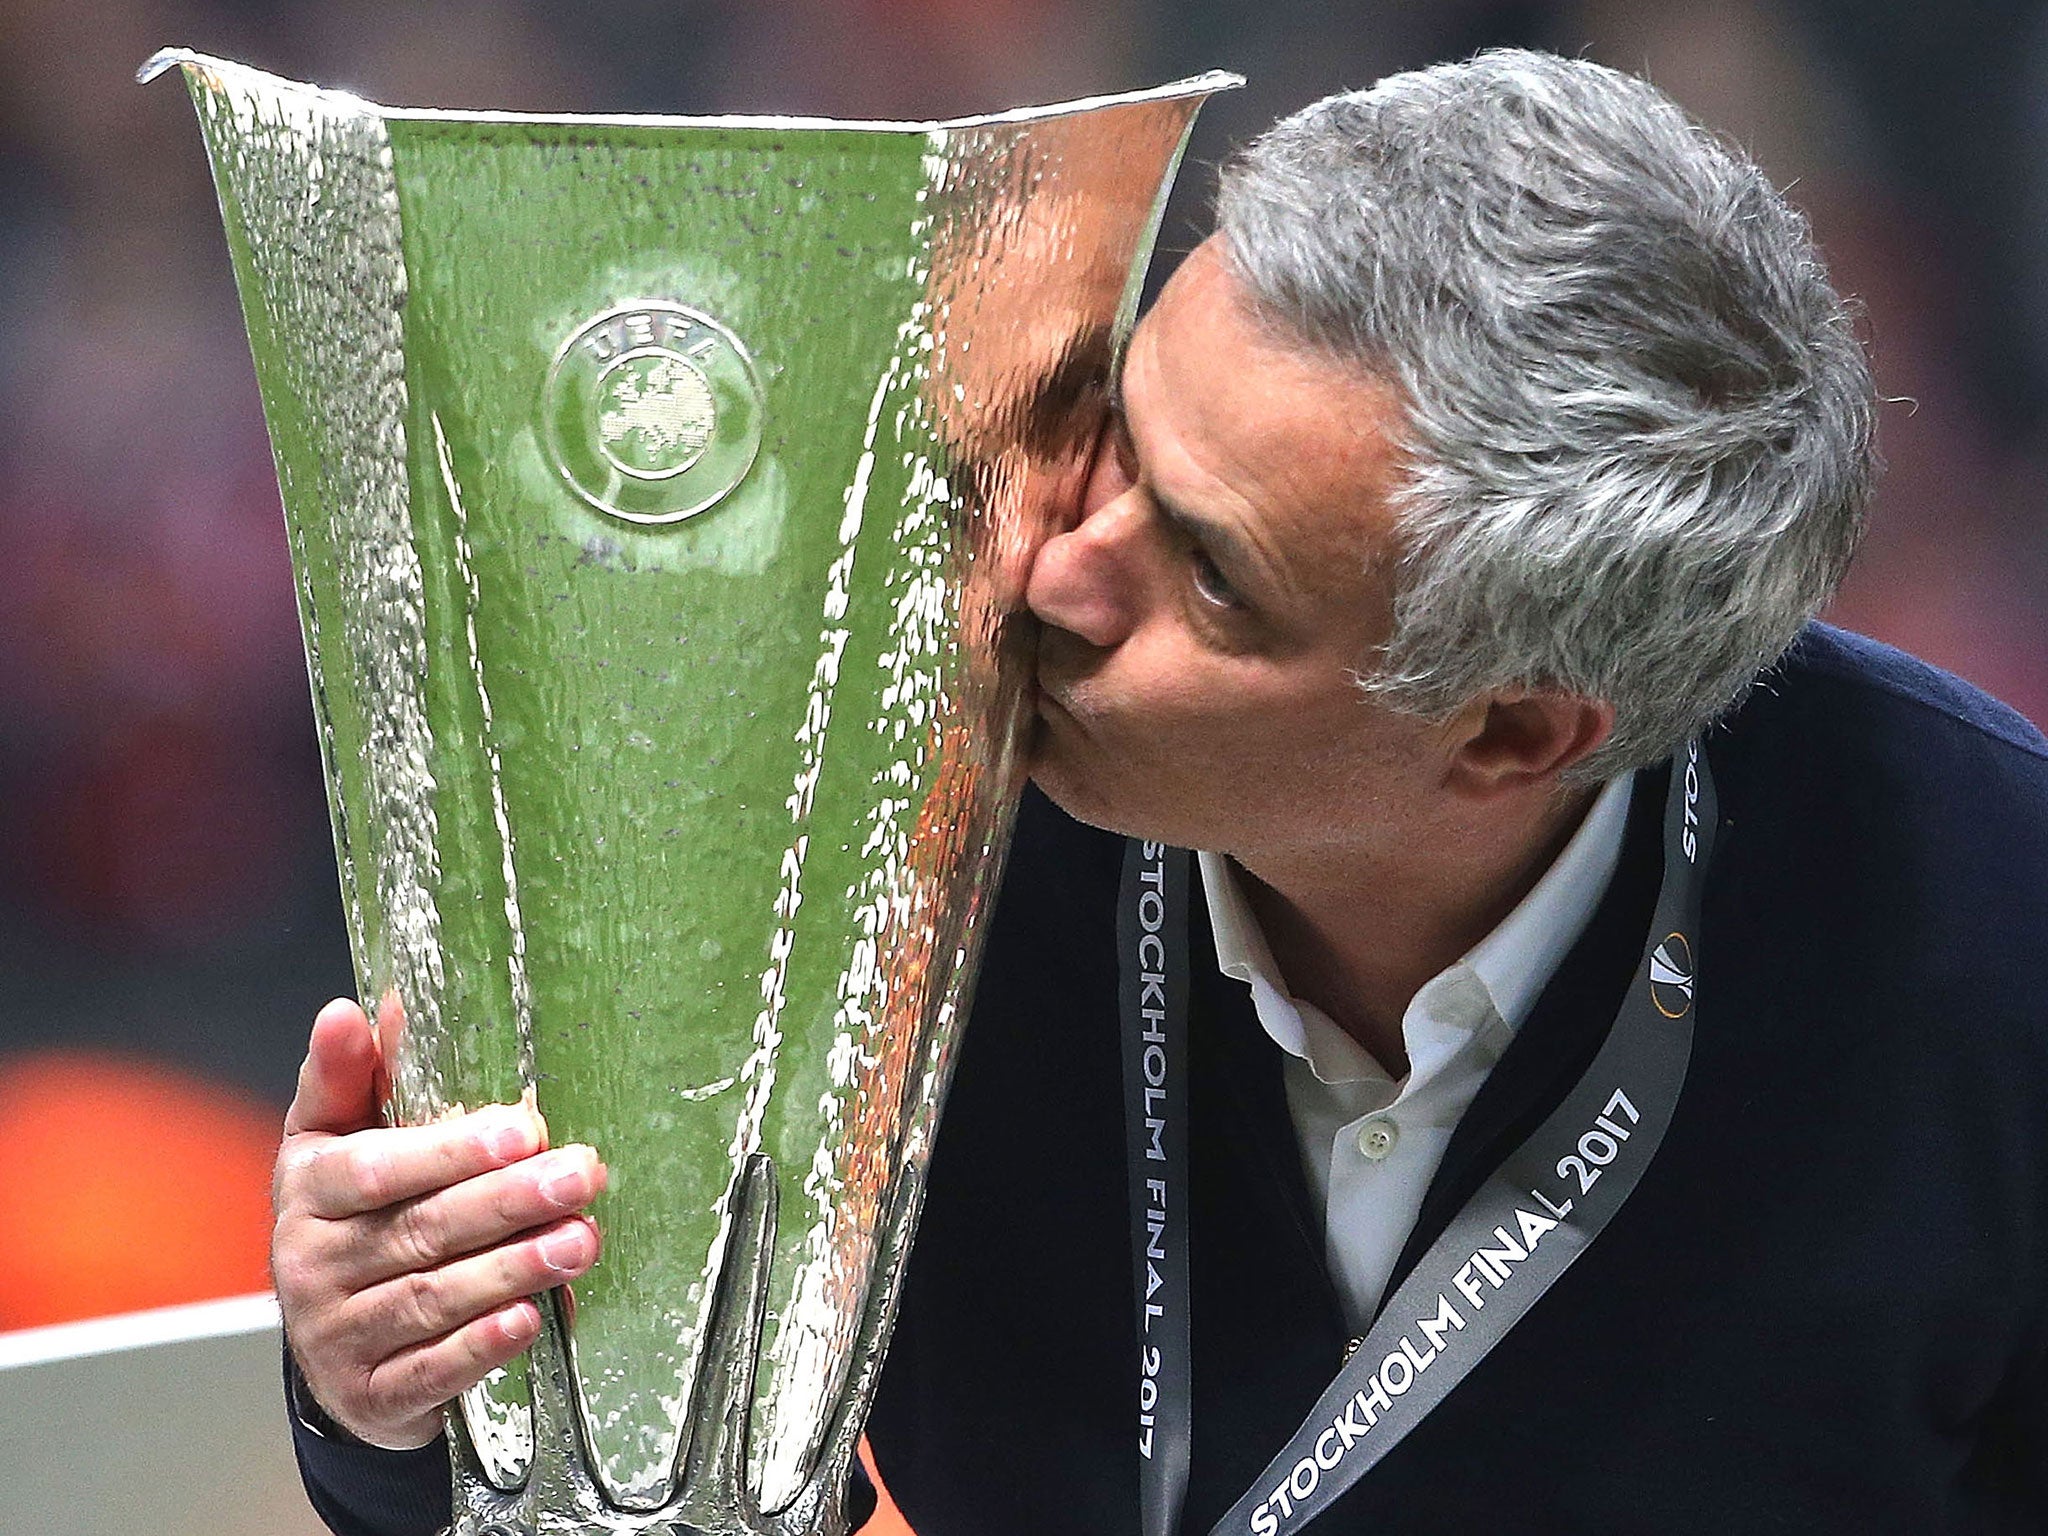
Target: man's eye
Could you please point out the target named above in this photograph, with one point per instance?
(1109, 475)
(1122, 448)
(1211, 583)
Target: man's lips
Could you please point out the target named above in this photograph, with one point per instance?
(1054, 705)
(1066, 667)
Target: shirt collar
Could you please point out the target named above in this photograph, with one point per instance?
(1513, 963)
(1241, 948)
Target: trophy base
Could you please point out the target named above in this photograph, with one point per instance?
(562, 1496)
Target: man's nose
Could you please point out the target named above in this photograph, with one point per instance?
(1088, 581)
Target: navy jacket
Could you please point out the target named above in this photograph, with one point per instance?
(1825, 1309)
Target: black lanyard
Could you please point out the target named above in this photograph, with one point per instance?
(1537, 1212)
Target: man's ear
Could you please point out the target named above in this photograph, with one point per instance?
(1514, 740)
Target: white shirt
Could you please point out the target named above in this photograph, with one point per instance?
(1370, 1145)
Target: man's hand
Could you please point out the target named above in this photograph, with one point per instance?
(404, 1257)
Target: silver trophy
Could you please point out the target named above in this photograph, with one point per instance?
(661, 493)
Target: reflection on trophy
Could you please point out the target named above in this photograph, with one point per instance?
(661, 494)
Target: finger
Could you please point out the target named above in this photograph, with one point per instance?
(408, 1391)
(337, 1080)
(422, 1306)
(468, 1217)
(338, 1176)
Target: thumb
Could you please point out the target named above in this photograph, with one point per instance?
(337, 1091)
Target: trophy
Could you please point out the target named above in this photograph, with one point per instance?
(661, 493)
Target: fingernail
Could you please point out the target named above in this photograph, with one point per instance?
(565, 1249)
(508, 1134)
(565, 1181)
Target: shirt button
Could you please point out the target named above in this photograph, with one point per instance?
(1376, 1138)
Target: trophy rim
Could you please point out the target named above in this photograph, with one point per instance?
(192, 61)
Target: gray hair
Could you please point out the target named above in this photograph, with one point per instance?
(1638, 423)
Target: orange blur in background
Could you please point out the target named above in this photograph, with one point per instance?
(128, 1186)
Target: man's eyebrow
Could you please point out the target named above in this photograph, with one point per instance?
(1226, 546)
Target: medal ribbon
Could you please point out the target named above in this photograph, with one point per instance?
(1152, 949)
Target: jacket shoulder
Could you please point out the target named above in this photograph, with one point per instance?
(1898, 687)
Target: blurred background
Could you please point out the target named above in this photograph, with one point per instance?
(168, 911)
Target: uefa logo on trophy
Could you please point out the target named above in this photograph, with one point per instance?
(653, 412)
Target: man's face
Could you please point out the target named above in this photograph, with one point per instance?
(1230, 568)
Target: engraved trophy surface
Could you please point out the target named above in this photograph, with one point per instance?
(661, 494)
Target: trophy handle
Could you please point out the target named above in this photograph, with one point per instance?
(713, 1498)
(561, 1495)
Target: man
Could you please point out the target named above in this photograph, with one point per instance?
(1506, 432)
